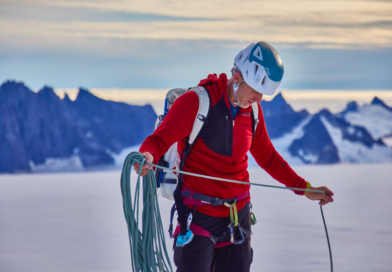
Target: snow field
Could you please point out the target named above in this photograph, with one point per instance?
(75, 222)
(375, 118)
(350, 152)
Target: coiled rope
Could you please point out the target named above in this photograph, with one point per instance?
(146, 246)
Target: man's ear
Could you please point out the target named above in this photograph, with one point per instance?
(238, 77)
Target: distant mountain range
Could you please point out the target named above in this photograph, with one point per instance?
(40, 128)
(40, 132)
(353, 136)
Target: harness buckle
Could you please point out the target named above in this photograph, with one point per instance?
(215, 201)
(171, 230)
(187, 151)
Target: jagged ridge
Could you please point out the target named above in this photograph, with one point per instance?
(38, 126)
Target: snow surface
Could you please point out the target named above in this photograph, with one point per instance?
(375, 118)
(71, 164)
(74, 163)
(75, 222)
(387, 141)
(352, 152)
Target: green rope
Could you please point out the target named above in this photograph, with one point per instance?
(148, 247)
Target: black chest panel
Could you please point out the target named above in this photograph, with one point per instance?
(218, 134)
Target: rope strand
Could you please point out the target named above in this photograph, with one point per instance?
(148, 247)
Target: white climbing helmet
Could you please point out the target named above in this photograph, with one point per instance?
(261, 67)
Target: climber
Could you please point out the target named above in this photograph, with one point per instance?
(229, 132)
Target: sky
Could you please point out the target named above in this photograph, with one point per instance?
(167, 44)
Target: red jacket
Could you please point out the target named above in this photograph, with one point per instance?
(221, 151)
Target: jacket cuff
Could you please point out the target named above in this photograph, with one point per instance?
(306, 185)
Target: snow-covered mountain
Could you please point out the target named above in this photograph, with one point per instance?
(356, 135)
(280, 118)
(41, 132)
(376, 117)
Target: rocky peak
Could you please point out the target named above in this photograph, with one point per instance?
(13, 90)
(377, 101)
(48, 94)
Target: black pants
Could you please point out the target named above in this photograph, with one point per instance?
(200, 255)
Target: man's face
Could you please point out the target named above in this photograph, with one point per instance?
(247, 95)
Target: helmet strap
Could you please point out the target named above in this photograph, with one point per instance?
(235, 88)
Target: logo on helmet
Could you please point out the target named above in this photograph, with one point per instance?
(268, 71)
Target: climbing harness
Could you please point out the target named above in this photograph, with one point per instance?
(148, 247)
(195, 199)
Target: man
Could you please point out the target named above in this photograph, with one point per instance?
(221, 151)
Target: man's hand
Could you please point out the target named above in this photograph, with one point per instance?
(149, 158)
(324, 198)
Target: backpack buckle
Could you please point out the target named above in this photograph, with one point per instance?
(201, 117)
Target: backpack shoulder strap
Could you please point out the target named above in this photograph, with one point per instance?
(255, 117)
(202, 113)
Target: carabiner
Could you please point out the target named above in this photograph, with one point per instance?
(252, 215)
(231, 227)
(253, 218)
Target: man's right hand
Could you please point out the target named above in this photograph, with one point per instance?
(149, 158)
(324, 198)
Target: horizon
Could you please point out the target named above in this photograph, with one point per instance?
(313, 100)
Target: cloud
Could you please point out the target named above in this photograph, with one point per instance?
(164, 44)
(317, 24)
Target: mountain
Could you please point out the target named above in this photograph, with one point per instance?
(377, 101)
(37, 127)
(316, 145)
(376, 118)
(279, 117)
(41, 132)
(331, 139)
(325, 138)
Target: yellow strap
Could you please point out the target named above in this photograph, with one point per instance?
(233, 213)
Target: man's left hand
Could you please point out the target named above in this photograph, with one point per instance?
(324, 198)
